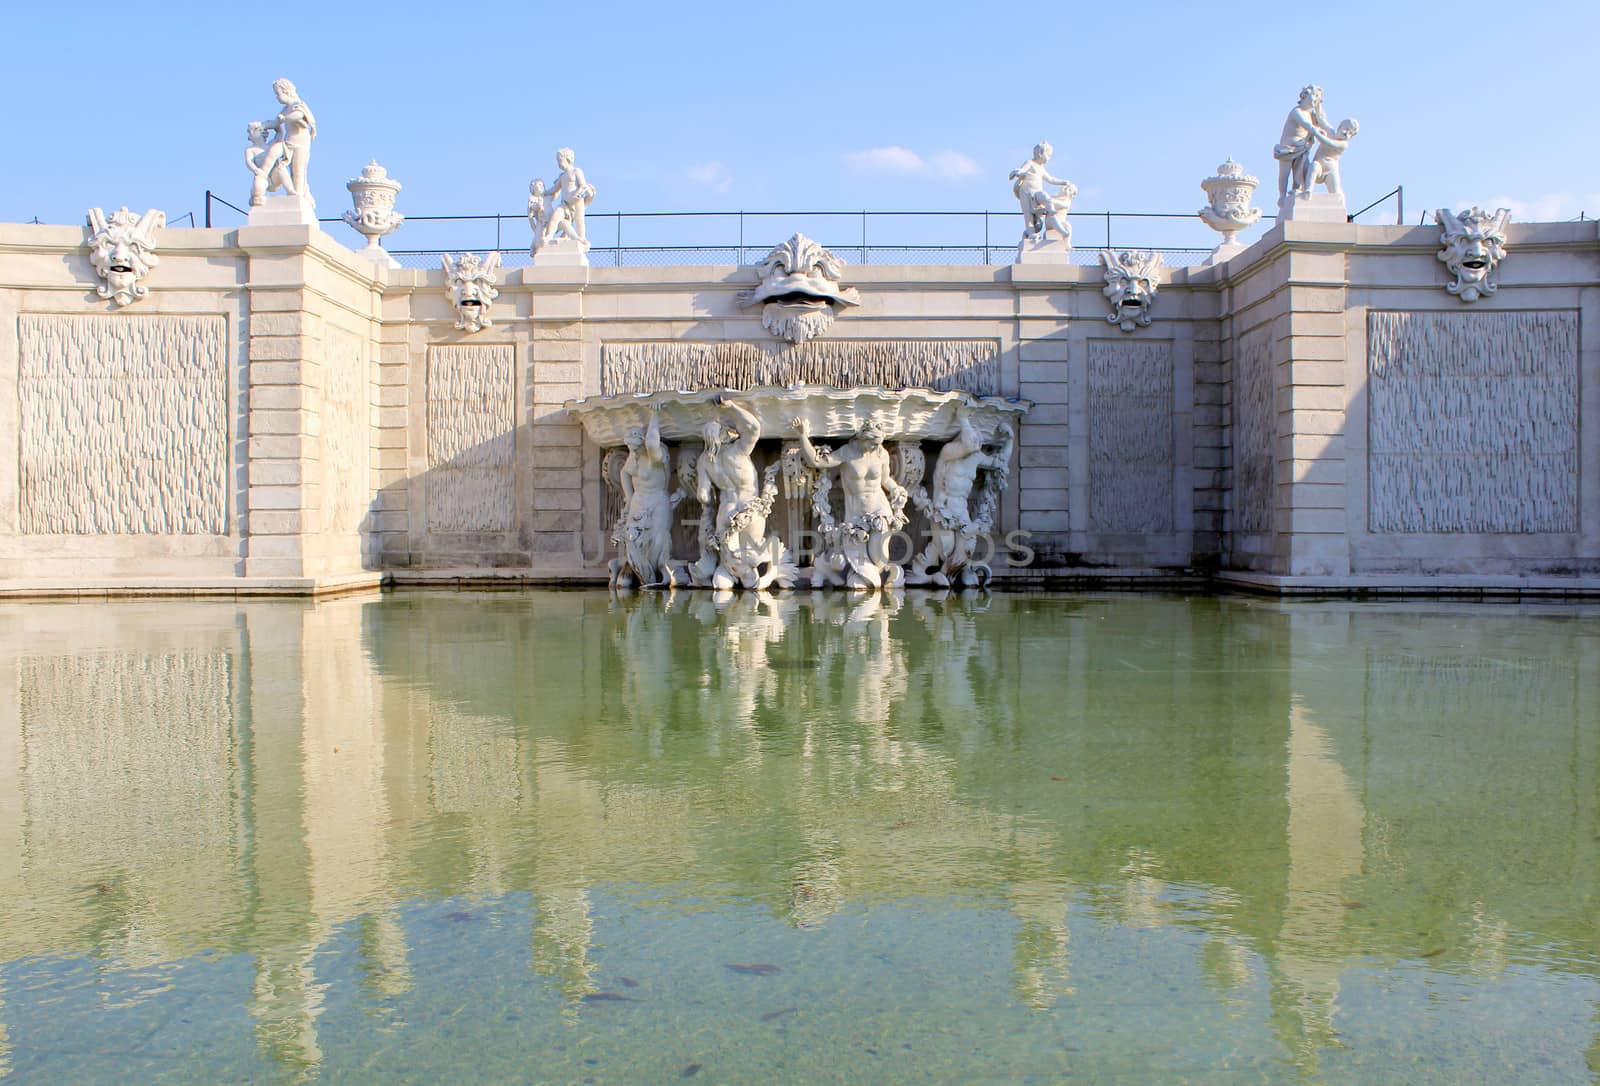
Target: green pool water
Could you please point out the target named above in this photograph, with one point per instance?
(567, 837)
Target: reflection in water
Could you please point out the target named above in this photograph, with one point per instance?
(1273, 821)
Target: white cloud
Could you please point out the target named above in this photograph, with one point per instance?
(1548, 207)
(946, 164)
(885, 160)
(953, 164)
(714, 175)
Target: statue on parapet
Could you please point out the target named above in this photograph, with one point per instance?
(557, 212)
(1042, 211)
(643, 532)
(280, 149)
(856, 552)
(739, 553)
(950, 557)
(1309, 148)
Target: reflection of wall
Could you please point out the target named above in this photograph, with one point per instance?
(123, 424)
(942, 364)
(1473, 422)
(470, 440)
(1130, 435)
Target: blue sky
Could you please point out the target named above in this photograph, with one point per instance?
(710, 106)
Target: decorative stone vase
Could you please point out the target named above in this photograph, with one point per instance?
(1229, 211)
(374, 216)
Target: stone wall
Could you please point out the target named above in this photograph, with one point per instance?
(278, 416)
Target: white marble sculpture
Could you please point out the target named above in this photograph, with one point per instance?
(374, 216)
(279, 157)
(951, 555)
(1132, 280)
(122, 248)
(739, 552)
(1229, 210)
(643, 533)
(1308, 152)
(470, 281)
(1473, 244)
(1042, 210)
(557, 214)
(855, 552)
(800, 290)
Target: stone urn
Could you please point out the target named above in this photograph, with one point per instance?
(374, 216)
(1229, 211)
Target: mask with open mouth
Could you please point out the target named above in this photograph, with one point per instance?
(1473, 244)
(800, 290)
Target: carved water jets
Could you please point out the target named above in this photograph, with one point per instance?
(1229, 210)
(1474, 243)
(1132, 280)
(800, 290)
(122, 248)
(470, 281)
(374, 216)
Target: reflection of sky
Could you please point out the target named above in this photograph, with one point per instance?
(995, 836)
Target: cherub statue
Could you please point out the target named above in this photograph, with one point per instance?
(282, 161)
(1042, 211)
(1325, 159)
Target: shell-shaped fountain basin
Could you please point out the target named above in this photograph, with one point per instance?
(912, 414)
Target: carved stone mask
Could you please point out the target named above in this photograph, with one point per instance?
(1473, 244)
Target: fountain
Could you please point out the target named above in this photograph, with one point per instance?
(851, 463)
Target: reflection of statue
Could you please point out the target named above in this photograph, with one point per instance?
(955, 530)
(745, 555)
(281, 162)
(874, 509)
(644, 531)
(122, 248)
(1041, 211)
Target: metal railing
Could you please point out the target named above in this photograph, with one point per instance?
(668, 238)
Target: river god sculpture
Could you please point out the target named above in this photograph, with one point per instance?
(739, 552)
(470, 279)
(954, 526)
(122, 248)
(1132, 279)
(1474, 243)
(643, 533)
(801, 288)
(855, 553)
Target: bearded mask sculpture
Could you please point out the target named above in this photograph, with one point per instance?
(470, 280)
(800, 290)
(122, 248)
(1474, 242)
(1132, 279)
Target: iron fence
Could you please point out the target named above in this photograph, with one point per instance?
(701, 238)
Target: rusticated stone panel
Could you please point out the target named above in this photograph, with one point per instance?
(1472, 422)
(1254, 433)
(346, 432)
(123, 425)
(946, 365)
(1130, 436)
(471, 438)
